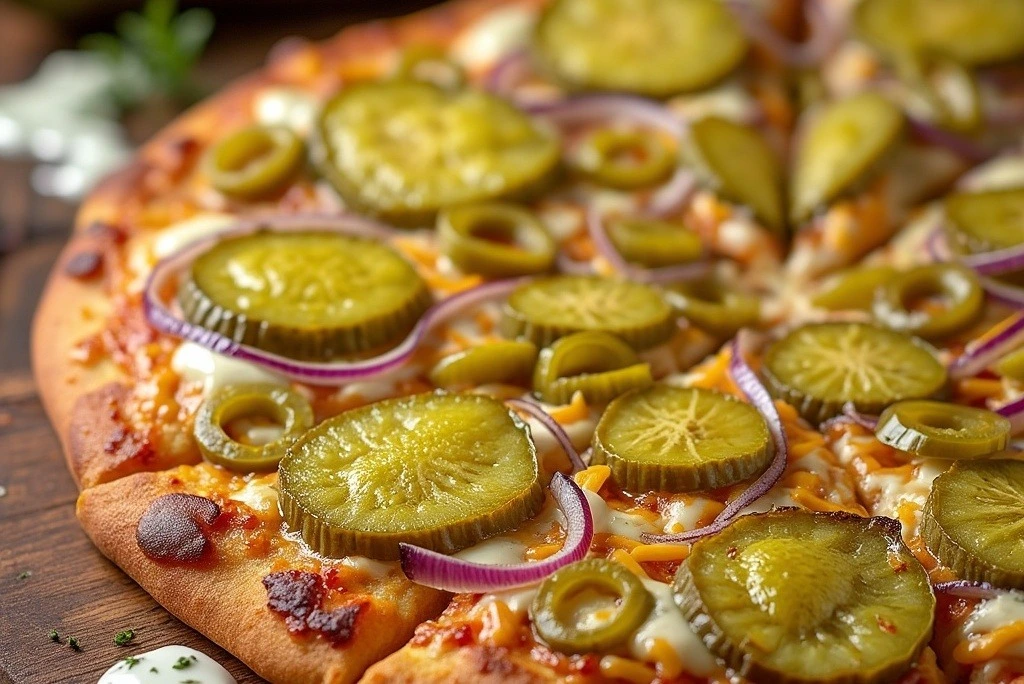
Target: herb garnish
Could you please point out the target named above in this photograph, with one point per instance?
(154, 670)
(54, 637)
(184, 662)
(131, 661)
(73, 644)
(24, 575)
(190, 681)
(124, 636)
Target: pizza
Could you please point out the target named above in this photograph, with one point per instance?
(582, 340)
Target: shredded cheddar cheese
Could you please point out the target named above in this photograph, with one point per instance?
(500, 625)
(984, 647)
(623, 558)
(593, 478)
(573, 412)
(669, 664)
(615, 667)
(644, 553)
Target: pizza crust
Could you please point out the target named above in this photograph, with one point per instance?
(473, 664)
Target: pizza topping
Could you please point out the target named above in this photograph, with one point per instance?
(934, 429)
(622, 159)
(714, 307)
(591, 605)
(84, 265)
(854, 288)
(671, 439)
(298, 597)
(273, 417)
(652, 243)
(839, 145)
(735, 160)
(988, 229)
(597, 364)
(650, 47)
(494, 239)
(403, 150)
(503, 361)
(430, 64)
(820, 367)
(971, 521)
(933, 301)
(545, 309)
(1011, 365)
(994, 344)
(797, 596)
(304, 295)
(947, 92)
(175, 528)
(545, 419)
(254, 162)
(437, 470)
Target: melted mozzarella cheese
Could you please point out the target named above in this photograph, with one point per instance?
(373, 568)
(729, 101)
(158, 667)
(607, 520)
(1002, 173)
(667, 623)
(260, 495)
(198, 364)
(684, 515)
(493, 36)
(174, 237)
(1002, 611)
(288, 107)
(495, 551)
(517, 600)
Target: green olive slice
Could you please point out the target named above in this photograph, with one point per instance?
(933, 301)
(504, 361)
(986, 221)
(305, 295)
(820, 367)
(548, 308)
(442, 471)
(597, 364)
(854, 288)
(254, 161)
(737, 162)
(623, 159)
(1011, 365)
(653, 243)
(404, 149)
(972, 521)
(799, 597)
(590, 605)
(277, 415)
(935, 429)
(671, 439)
(715, 307)
(430, 63)
(839, 145)
(495, 239)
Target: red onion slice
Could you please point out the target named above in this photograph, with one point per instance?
(748, 382)
(983, 351)
(997, 262)
(1000, 261)
(160, 316)
(553, 427)
(967, 589)
(1014, 412)
(507, 72)
(963, 147)
(671, 197)
(1010, 295)
(851, 415)
(825, 34)
(439, 571)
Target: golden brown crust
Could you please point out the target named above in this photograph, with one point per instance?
(228, 601)
(474, 664)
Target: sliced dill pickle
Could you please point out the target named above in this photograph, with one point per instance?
(505, 361)
(935, 429)
(404, 149)
(654, 243)
(799, 597)
(738, 163)
(621, 159)
(840, 145)
(671, 439)
(986, 221)
(548, 308)
(854, 288)
(933, 301)
(597, 364)
(279, 414)
(305, 295)
(820, 367)
(496, 239)
(442, 471)
(972, 521)
(1011, 365)
(590, 605)
(655, 48)
(948, 91)
(254, 161)
(430, 63)
(715, 307)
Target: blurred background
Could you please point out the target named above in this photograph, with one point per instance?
(82, 82)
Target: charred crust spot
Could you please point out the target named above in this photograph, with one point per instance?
(175, 528)
(297, 596)
(108, 232)
(84, 265)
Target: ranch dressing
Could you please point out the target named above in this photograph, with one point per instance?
(167, 665)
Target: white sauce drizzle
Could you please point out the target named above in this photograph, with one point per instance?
(667, 623)
(493, 36)
(198, 364)
(157, 667)
(610, 521)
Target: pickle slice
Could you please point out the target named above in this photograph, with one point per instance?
(548, 308)
(739, 164)
(653, 243)
(986, 221)
(794, 596)
(402, 150)
(655, 48)
(854, 288)
(430, 63)
(621, 159)
(591, 605)
(505, 361)
(1011, 365)
(934, 429)
(305, 295)
(839, 146)
(820, 367)
(972, 521)
(714, 306)
(285, 415)
(442, 471)
(599, 365)
(671, 439)
(933, 301)
(496, 239)
(254, 161)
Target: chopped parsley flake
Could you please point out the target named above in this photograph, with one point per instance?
(154, 670)
(184, 662)
(73, 644)
(54, 637)
(131, 661)
(124, 636)
(190, 681)
(24, 575)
